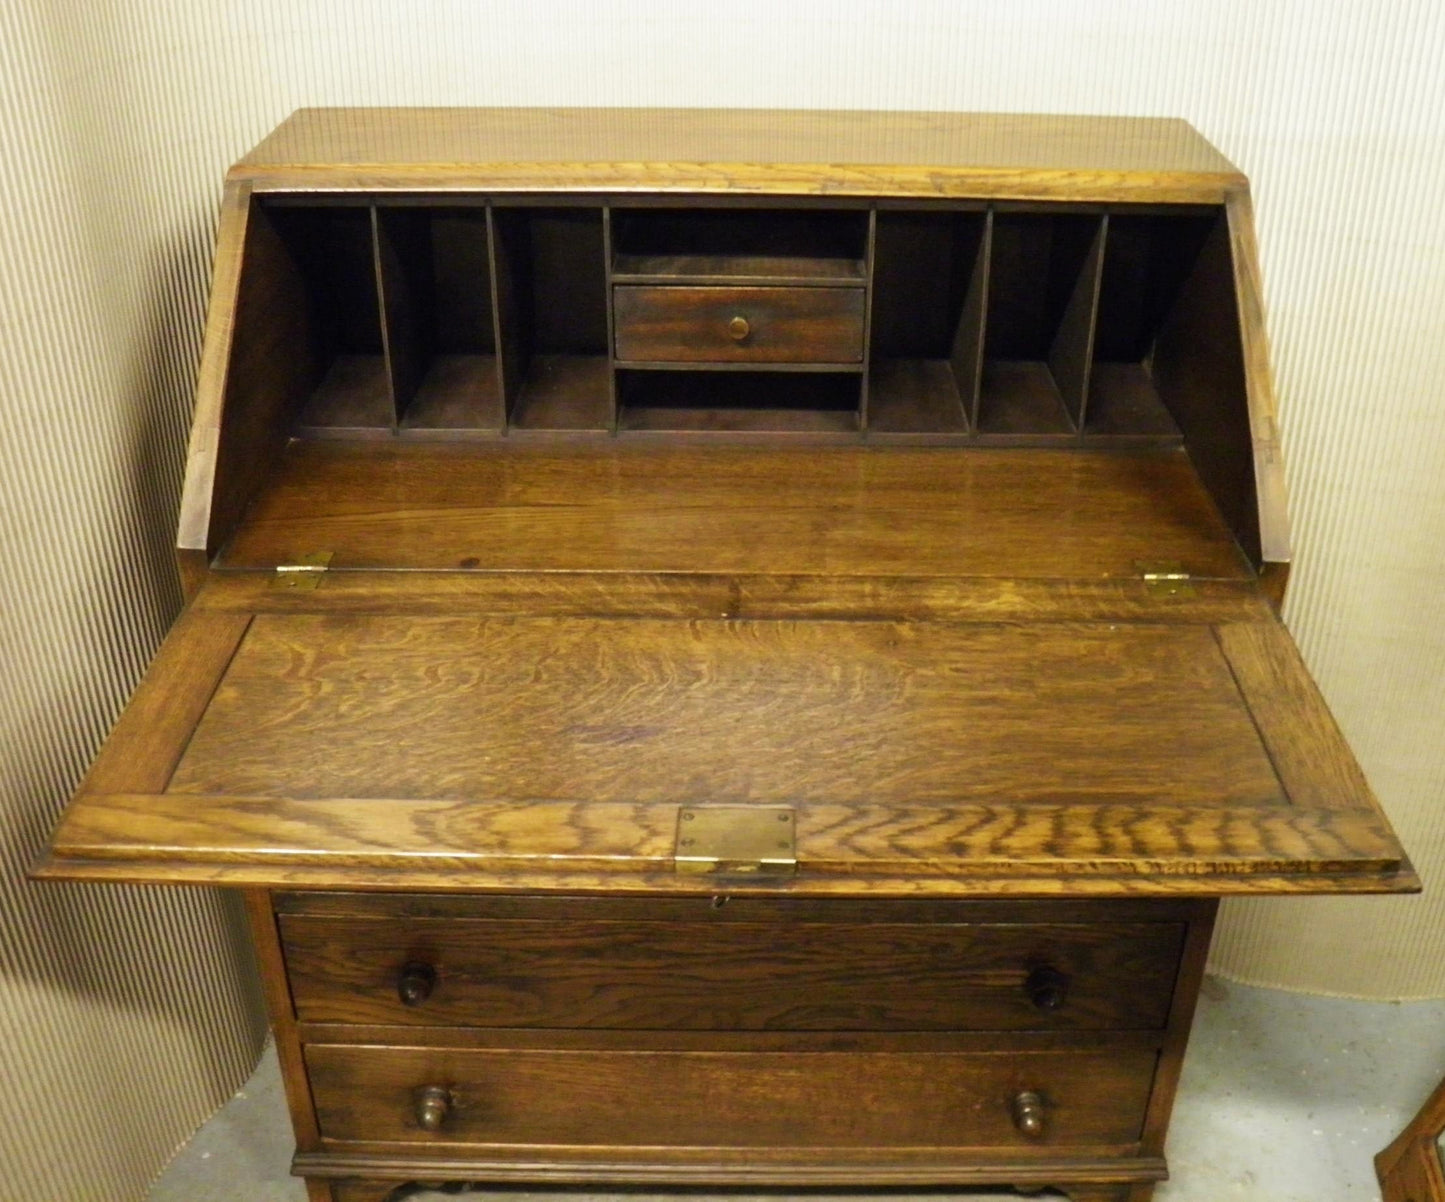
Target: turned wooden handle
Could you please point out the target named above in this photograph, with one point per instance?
(415, 983)
(1047, 987)
(738, 328)
(433, 1104)
(1028, 1110)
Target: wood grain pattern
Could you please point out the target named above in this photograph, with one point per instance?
(748, 151)
(731, 976)
(741, 712)
(1113, 831)
(125, 865)
(1026, 851)
(840, 511)
(564, 1099)
(704, 595)
(689, 324)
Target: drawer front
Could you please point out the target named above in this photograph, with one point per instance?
(734, 1099)
(675, 324)
(731, 976)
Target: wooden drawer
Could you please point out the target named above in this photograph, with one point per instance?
(723, 975)
(675, 324)
(736, 1099)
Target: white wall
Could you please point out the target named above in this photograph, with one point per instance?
(117, 123)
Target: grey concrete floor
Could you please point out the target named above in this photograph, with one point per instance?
(1285, 1098)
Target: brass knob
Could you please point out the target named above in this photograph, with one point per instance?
(738, 328)
(415, 983)
(1028, 1109)
(433, 1104)
(1047, 987)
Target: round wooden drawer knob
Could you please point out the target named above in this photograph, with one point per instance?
(1028, 1109)
(433, 1104)
(1047, 987)
(738, 329)
(415, 983)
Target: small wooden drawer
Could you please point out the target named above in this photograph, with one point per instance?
(722, 975)
(735, 1099)
(677, 324)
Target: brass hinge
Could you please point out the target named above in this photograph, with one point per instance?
(1166, 579)
(736, 840)
(305, 573)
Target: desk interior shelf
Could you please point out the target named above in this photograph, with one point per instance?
(929, 323)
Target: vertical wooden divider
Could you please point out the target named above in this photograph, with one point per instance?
(868, 253)
(378, 272)
(406, 294)
(506, 328)
(1072, 353)
(613, 406)
(966, 353)
(1202, 377)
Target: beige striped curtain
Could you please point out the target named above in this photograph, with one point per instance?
(127, 1014)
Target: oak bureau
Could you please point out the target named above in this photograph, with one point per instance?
(732, 648)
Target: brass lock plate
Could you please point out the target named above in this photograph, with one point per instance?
(736, 840)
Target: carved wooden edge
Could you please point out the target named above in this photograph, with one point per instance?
(1274, 526)
(194, 534)
(956, 847)
(737, 1167)
(386, 1191)
(267, 941)
(1410, 1169)
(51, 867)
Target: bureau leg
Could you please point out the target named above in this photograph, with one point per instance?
(319, 1191)
(364, 1191)
(386, 1191)
(1110, 1193)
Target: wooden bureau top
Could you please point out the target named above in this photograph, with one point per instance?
(636, 463)
(773, 152)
